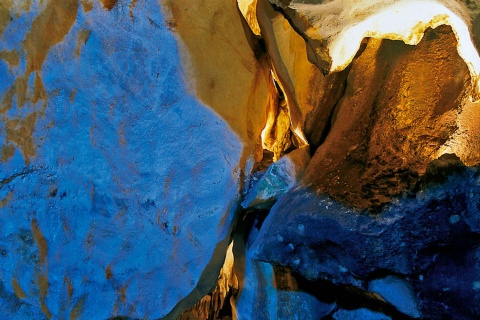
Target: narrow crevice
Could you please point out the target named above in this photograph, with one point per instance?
(343, 84)
(314, 47)
(347, 297)
(276, 137)
(23, 173)
(330, 119)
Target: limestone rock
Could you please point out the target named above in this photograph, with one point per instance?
(306, 97)
(335, 30)
(387, 128)
(430, 232)
(119, 182)
(279, 177)
(267, 292)
(128, 128)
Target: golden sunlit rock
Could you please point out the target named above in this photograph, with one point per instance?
(416, 96)
(216, 305)
(249, 12)
(401, 107)
(212, 41)
(334, 30)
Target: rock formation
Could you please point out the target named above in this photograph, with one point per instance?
(250, 159)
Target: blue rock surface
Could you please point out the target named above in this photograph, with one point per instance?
(116, 192)
(415, 237)
(397, 292)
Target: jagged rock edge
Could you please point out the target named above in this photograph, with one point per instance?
(208, 279)
(465, 47)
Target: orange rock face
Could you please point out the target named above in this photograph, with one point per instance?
(394, 109)
(400, 111)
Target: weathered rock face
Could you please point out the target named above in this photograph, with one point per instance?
(414, 237)
(128, 130)
(118, 185)
(385, 102)
(268, 292)
(388, 191)
(280, 177)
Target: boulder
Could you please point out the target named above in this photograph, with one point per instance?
(119, 179)
(427, 235)
(279, 177)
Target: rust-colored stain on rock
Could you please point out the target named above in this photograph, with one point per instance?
(123, 293)
(87, 5)
(6, 200)
(7, 151)
(42, 276)
(69, 284)
(109, 4)
(17, 289)
(40, 241)
(39, 92)
(108, 272)
(10, 57)
(131, 7)
(20, 133)
(81, 41)
(48, 29)
(42, 281)
(7, 100)
(5, 6)
(77, 309)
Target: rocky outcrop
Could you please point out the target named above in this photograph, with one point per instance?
(389, 193)
(251, 159)
(428, 237)
(334, 30)
(279, 177)
(118, 184)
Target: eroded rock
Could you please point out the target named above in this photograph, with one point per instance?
(128, 128)
(387, 128)
(268, 292)
(118, 184)
(358, 314)
(334, 30)
(279, 177)
(417, 235)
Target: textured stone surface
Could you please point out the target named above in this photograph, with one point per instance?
(279, 177)
(358, 314)
(335, 30)
(267, 292)
(128, 129)
(387, 128)
(432, 233)
(224, 65)
(375, 201)
(112, 168)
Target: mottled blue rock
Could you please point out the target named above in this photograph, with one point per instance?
(359, 314)
(118, 187)
(269, 293)
(323, 239)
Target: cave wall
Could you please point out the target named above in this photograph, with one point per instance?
(131, 131)
(118, 182)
